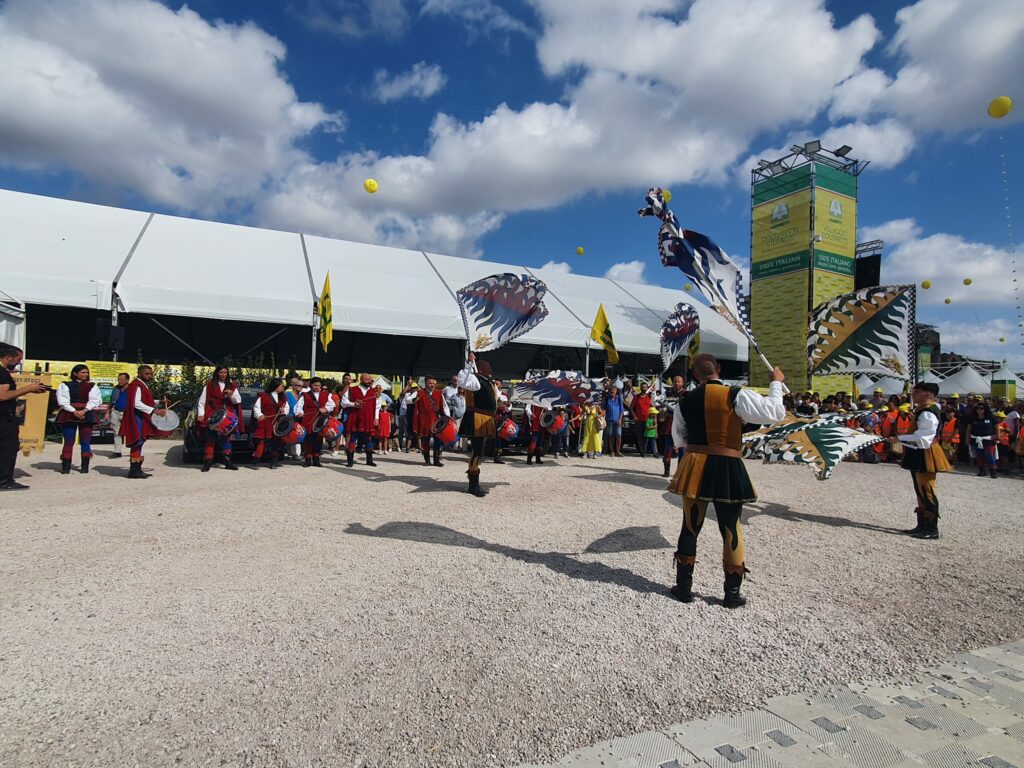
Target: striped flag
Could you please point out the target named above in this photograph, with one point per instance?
(326, 315)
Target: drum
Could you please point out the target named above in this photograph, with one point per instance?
(508, 431)
(296, 436)
(165, 425)
(283, 425)
(223, 421)
(547, 419)
(320, 422)
(332, 430)
(557, 425)
(444, 430)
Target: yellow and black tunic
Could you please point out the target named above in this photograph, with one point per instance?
(481, 407)
(712, 469)
(931, 459)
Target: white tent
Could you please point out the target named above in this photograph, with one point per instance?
(1004, 383)
(929, 377)
(890, 386)
(70, 254)
(12, 321)
(864, 384)
(963, 382)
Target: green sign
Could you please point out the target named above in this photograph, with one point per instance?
(832, 262)
(780, 265)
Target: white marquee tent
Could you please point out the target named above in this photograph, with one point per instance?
(963, 382)
(68, 254)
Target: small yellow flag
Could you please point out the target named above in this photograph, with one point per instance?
(602, 334)
(326, 315)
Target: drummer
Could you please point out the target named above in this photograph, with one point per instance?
(315, 403)
(219, 394)
(137, 423)
(79, 401)
(268, 406)
(429, 405)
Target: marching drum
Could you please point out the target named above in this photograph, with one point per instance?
(296, 436)
(223, 421)
(320, 422)
(508, 431)
(332, 430)
(165, 425)
(283, 425)
(557, 425)
(444, 430)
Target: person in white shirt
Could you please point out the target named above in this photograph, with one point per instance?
(924, 458)
(708, 423)
(79, 401)
(220, 394)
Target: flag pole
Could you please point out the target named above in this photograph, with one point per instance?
(586, 364)
(316, 328)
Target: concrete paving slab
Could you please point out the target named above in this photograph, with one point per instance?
(651, 749)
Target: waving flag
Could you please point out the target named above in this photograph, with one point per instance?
(680, 333)
(557, 388)
(867, 331)
(820, 446)
(326, 314)
(706, 265)
(754, 443)
(501, 308)
(601, 332)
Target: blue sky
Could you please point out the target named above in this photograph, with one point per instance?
(517, 131)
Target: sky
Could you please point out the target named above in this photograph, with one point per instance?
(517, 131)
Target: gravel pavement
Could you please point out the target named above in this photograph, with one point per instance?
(361, 617)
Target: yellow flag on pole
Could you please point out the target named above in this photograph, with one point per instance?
(602, 334)
(326, 315)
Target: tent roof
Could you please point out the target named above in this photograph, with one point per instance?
(864, 384)
(1003, 374)
(890, 386)
(67, 253)
(963, 382)
(929, 378)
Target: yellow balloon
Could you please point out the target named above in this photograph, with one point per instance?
(926, 284)
(1000, 107)
(371, 185)
(949, 301)
(579, 250)
(687, 287)
(666, 195)
(967, 281)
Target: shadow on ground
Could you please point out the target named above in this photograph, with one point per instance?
(559, 562)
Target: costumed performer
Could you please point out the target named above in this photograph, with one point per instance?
(137, 422)
(79, 400)
(219, 393)
(268, 406)
(316, 401)
(708, 423)
(924, 457)
(481, 408)
(428, 405)
(364, 419)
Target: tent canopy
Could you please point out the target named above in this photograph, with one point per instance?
(69, 254)
(963, 382)
(890, 386)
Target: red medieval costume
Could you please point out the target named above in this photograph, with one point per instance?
(364, 412)
(137, 423)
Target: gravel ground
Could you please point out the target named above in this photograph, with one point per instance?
(364, 617)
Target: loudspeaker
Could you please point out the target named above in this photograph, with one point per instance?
(109, 336)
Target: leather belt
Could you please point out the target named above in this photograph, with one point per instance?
(713, 450)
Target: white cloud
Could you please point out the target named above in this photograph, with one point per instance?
(981, 340)
(885, 144)
(627, 272)
(481, 15)
(420, 82)
(945, 260)
(562, 267)
(892, 232)
(133, 95)
(356, 19)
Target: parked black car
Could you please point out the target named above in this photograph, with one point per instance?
(240, 443)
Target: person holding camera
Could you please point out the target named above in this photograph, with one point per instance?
(10, 357)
